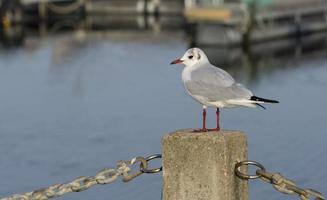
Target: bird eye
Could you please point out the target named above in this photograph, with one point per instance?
(190, 57)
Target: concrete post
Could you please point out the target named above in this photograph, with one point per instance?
(200, 166)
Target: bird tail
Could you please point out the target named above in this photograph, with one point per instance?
(262, 100)
(254, 101)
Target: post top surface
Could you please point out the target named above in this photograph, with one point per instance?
(188, 133)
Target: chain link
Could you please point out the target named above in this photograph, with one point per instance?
(279, 182)
(105, 176)
(124, 168)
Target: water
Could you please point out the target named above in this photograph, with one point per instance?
(75, 103)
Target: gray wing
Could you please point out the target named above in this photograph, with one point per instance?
(215, 84)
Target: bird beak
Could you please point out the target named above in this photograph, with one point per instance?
(176, 61)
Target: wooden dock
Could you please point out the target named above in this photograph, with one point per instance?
(229, 24)
(105, 13)
(209, 22)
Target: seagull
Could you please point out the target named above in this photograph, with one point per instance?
(214, 87)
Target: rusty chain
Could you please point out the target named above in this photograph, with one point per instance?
(279, 182)
(105, 176)
(124, 168)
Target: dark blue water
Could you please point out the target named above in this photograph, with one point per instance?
(73, 104)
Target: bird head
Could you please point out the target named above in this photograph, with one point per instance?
(192, 57)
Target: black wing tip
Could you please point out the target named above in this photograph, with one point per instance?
(261, 106)
(255, 98)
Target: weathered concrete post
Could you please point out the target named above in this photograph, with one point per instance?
(200, 166)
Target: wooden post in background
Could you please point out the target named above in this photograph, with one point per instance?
(200, 166)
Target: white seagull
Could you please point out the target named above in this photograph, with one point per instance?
(213, 87)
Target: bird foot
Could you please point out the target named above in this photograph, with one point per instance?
(214, 129)
(206, 130)
(200, 130)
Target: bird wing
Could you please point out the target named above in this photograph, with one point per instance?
(214, 84)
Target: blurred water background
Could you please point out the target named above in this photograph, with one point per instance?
(77, 101)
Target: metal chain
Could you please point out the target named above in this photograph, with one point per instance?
(279, 182)
(105, 176)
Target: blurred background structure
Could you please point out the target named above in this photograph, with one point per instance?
(85, 83)
(209, 22)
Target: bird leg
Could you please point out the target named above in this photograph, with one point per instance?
(218, 119)
(204, 115)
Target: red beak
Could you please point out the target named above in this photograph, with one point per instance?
(176, 61)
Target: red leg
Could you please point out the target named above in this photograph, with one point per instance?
(218, 120)
(204, 116)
